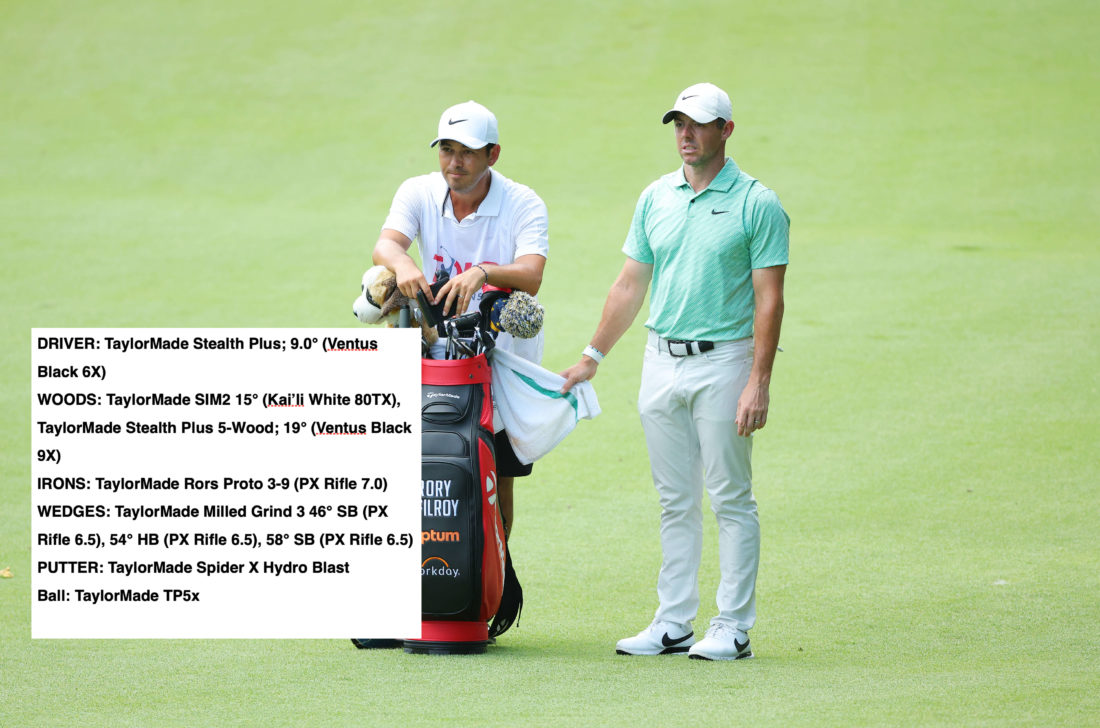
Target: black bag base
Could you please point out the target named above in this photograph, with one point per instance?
(440, 637)
(376, 644)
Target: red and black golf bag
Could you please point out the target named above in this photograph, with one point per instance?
(466, 572)
(462, 545)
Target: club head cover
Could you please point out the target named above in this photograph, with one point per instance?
(521, 316)
(492, 301)
(365, 308)
(393, 300)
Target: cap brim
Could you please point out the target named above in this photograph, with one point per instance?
(700, 119)
(471, 143)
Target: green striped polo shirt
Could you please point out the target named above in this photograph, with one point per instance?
(703, 248)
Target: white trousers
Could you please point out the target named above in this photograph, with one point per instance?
(689, 407)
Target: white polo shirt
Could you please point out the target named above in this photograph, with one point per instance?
(511, 221)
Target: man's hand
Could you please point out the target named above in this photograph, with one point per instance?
(582, 371)
(458, 291)
(622, 304)
(391, 250)
(410, 280)
(752, 409)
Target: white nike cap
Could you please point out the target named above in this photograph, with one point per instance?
(703, 102)
(470, 124)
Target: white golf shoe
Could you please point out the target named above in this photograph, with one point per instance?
(659, 638)
(722, 642)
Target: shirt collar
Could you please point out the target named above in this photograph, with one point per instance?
(491, 204)
(489, 207)
(724, 182)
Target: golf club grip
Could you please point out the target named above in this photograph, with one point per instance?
(426, 309)
(467, 322)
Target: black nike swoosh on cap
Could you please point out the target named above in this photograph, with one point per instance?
(685, 98)
(671, 642)
(718, 212)
(452, 122)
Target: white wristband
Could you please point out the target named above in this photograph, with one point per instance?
(594, 353)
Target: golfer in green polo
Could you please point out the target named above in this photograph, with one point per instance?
(712, 241)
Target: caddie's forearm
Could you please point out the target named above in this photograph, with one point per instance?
(767, 322)
(524, 274)
(390, 254)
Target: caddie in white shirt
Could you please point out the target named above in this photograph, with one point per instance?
(478, 226)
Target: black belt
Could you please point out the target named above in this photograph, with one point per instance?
(679, 347)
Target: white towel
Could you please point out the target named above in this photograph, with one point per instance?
(536, 415)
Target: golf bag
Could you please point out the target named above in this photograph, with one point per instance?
(462, 545)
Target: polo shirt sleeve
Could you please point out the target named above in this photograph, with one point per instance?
(404, 214)
(532, 227)
(770, 226)
(637, 242)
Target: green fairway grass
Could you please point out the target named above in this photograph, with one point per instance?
(928, 481)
